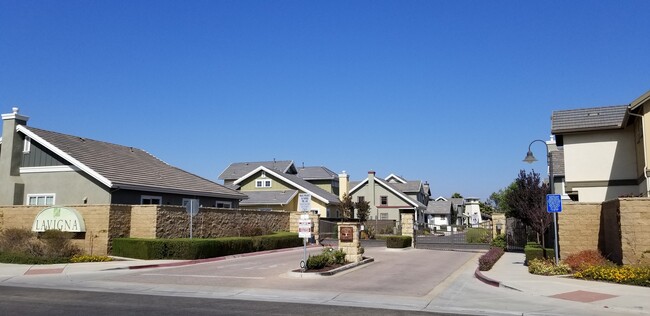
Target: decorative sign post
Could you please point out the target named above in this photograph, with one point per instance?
(554, 205)
(304, 225)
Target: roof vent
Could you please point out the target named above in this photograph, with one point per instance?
(593, 114)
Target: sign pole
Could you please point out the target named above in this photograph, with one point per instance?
(555, 226)
(554, 205)
(191, 216)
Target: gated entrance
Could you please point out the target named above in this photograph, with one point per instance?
(452, 240)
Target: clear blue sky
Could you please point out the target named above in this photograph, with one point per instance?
(451, 92)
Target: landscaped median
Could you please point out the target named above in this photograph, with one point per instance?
(184, 248)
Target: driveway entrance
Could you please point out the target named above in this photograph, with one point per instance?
(449, 241)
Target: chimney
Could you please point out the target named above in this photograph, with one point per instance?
(11, 158)
(371, 188)
(344, 184)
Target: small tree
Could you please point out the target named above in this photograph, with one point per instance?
(456, 195)
(363, 210)
(346, 207)
(527, 202)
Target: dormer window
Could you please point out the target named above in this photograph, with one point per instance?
(263, 183)
(27, 145)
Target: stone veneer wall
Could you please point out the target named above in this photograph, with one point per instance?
(609, 236)
(635, 230)
(578, 227)
(174, 222)
(105, 222)
(408, 220)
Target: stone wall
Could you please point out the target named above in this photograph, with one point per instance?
(106, 222)
(635, 230)
(578, 227)
(408, 222)
(619, 228)
(174, 222)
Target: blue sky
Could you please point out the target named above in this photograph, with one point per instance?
(451, 92)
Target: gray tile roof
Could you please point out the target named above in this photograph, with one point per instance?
(608, 117)
(269, 197)
(238, 169)
(129, 167)
(439, 207)
(316, 173)
(457, 201)
(331, 198)
(395, 186)
(557, 158)
(408, 187)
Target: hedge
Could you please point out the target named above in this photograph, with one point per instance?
(487, 261)
(184, 248)
(534, 251)
(398, 241)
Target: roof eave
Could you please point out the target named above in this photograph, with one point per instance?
(135, 187)
(640, 100)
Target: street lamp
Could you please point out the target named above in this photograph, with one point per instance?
(530, 158)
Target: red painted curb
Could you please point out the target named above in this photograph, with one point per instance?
(189, 262)
(486, 280)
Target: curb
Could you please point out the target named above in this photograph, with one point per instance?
(492, 282)
(197, 261)
(333, 272)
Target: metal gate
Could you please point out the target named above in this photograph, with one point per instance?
(452, 240)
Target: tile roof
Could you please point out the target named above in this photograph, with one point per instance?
(457, 201)
(557, 158)
(395, 187)
(408, 187)
(316, 173)
(269, 197)
(132, 168)
(238, 169)
(438, 207)
(599, 118)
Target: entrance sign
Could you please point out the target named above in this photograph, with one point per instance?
(59, 218)
(553, 203)
(304, 226)
(304, 202)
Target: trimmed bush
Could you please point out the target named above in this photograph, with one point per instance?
(200, 248)
(547, 267)
(487, 261)
(584, 259)
(633, 275)
(398, 241)
(328, 257)
(478, 235)
(90, 258)
(534, 251)
(499, 241)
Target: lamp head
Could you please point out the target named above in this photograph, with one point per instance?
(530, 158)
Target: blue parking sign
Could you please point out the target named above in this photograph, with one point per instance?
(553, 203)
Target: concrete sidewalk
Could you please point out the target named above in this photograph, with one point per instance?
(510, 272)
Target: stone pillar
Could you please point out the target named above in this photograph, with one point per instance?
(498, 224)
(407, 218)
(349, 241)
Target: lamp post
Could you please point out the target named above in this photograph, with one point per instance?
(530, 158)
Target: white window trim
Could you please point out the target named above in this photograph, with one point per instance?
(263, 183)
(144, 197)
(27, 145)
(37, 195)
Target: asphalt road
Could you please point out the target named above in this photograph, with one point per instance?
(52, 302)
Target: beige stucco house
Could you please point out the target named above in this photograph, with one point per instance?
(603, 151)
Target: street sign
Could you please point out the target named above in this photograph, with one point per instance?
(304, 226)
(304, 202)
(192, 207)
(553, 203)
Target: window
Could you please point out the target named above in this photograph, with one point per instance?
(40, 199)
(222, 204)
(148, 199)
(263, 183)
(384, 200)
(360, 199)
(383, 216)
(27, 145)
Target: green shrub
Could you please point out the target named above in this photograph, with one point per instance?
(547, 267)
(499, 241)
(21, 258)
(200, 248)
(398, 241)
(317, 262)
(90, 258)
(328, 257)
(58, 244)
(534, 251)
(477, 235)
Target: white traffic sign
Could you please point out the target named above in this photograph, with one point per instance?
(304, 202)
(192, 207)
(304, 227)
